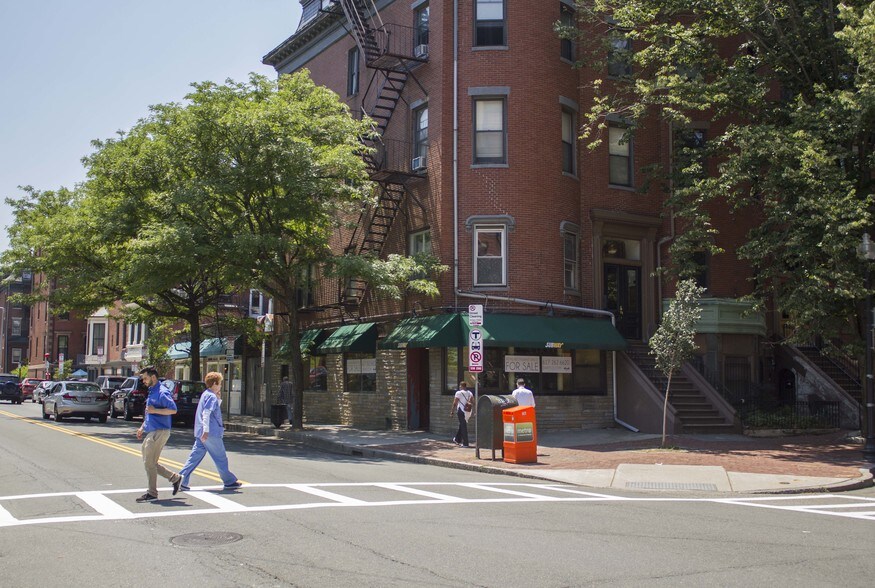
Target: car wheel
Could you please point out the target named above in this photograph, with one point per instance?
(58, 417)
(101, 418)
(45, 416)
(88, 419)
(112, 412)
(129, 416)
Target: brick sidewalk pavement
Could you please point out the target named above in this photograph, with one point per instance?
(831, 455)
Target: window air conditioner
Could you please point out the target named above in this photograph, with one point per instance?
(420, 51)
(418, 163)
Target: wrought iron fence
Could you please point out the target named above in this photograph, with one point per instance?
(811, 414)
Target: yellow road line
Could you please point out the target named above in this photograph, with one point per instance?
(118, 446)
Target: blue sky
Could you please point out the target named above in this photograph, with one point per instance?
(76, 70)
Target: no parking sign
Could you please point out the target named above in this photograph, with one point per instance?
(475, 351)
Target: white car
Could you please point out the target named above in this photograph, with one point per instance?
(76, 399)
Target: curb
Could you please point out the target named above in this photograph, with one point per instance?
(311, 441)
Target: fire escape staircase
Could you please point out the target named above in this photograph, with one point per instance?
(695, 411)
(388, 49)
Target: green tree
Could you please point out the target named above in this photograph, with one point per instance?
(787, 90)
(268, 171)
(674, 341)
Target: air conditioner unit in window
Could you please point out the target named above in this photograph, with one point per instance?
(420, 51)
(418, 163)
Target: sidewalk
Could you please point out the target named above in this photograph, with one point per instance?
(618, 458)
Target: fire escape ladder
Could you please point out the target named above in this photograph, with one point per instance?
(363, 20)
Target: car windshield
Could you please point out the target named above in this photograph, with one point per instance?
(75, 387)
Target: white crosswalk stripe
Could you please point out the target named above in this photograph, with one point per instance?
(111, 505)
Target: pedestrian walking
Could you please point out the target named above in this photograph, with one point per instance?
(287, 397)
(208, 432)
(523, 395)
(155, 431)
(463, 405)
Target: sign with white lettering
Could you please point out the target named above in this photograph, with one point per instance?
(522, 363)
(475, 315)
(556, 365)
(475, 350)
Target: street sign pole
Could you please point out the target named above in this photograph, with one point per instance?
(475, 362)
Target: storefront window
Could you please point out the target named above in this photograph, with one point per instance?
(318, 374)
(360, 372)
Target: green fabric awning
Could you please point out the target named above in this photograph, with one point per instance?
(361, 338)
(443, 330)
(517, 330)
(310, 340)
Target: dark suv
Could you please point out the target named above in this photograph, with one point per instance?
(186, 395)
(10, 388)
(130, 398)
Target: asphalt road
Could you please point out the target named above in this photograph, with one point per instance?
(68, 518)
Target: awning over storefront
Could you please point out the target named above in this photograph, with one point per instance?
(361, 338)
(212, 347)
(310, 341)
(518, 330)
(444, 330)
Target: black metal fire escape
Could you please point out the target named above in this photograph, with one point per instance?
(390, 51)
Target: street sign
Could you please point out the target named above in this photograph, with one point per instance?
(475, 350)
(61, 364)
(475, 315)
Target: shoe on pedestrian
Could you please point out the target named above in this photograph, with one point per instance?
(176, 485)
(184, 488)
(147, 498)
(233, 486)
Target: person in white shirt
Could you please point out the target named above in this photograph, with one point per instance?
(523, 395)
(463, 399)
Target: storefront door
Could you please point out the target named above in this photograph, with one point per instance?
(622, 296)
(417, 389)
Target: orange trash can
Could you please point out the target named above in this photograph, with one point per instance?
(520, 435)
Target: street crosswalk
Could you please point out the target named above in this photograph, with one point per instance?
(110, 505)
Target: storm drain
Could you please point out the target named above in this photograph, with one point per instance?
(206, 539)
(671, 486)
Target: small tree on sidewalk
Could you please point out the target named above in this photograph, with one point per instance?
(673, 343)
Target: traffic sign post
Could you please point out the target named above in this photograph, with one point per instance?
(475, 366)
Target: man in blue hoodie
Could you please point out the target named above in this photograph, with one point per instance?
(155, 431)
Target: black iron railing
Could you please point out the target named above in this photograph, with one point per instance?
(811, 414)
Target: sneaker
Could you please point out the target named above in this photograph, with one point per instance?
(184, 488)
(233, 486)
(147, 498)
(176, 485)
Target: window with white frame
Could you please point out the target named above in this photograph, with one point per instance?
(98, 338)
(490, 267)
(256, 303)
(16, 327)
(420, 134)
(352, 72)
(490, 135)
(620, 150)
(419, 242)
(569, 135)
(571, 256)
(420, 26)
(489, 23)
(16, 355)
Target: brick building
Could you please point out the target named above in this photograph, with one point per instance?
(14, 323)
(53, 335)
(477, 107)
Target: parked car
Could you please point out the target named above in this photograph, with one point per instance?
(130, 398)
(75, 399)
(10, 388)
(27, 387)
(42, 390)
(186, 394)
(110, 384)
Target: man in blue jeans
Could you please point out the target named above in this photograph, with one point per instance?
(208, 431)
(155, 431)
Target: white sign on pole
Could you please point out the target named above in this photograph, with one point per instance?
(475, 351)
(60, 364)
(475, 315)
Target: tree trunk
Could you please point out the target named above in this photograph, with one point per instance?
(665, 409)
(195, 349)
(296, 367)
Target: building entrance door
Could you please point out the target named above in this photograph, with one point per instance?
(622, 296)
(417, 390)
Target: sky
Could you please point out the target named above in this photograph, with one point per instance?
(72, 71)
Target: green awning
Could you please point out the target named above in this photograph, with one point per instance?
(310, 340)
(517, 330)
(361, 338)
(443, 330)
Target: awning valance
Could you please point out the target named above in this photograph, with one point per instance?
(361, 338)
(444, 330)
(310, 341)
(518, 330)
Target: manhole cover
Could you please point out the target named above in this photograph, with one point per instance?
(206, 539)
